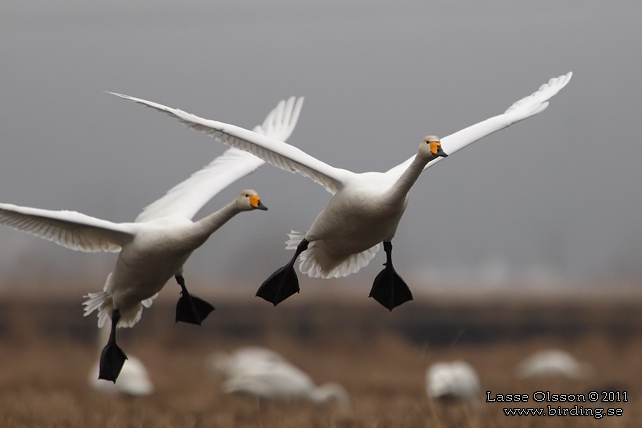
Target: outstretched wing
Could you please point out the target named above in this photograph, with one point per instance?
(522, 109)
(186, 198)
(272, 151)
(68, 228)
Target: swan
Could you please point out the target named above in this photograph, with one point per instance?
(456, 380)
(238, 362)
(264, 374)
(133, 379)
(155, 247)
(365, 208)
(553, 362)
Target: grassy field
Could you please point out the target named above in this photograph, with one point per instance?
(47, 348)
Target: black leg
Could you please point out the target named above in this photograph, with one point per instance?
(388, 287)
(112, 358)
(283, 283)
(191, 309)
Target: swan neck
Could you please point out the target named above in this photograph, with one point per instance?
(408, 178)
(214, 221)
(321, 396)
(329, 391)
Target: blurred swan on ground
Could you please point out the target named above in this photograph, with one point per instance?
(452, 381)
(133, 379)
(553, 363)
(266, 375)
(366, 208)
(154, 248)
(242, 360)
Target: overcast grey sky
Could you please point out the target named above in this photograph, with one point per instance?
(558, 192)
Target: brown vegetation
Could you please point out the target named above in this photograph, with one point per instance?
(47, 348)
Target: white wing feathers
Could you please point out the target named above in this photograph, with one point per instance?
(281, 121)
(84, 233)
(68, 228)
(311, 260)
(522, 109)
(271, 150)
(291, 159)
(186, 198)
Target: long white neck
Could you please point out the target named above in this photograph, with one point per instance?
(329, 391)
(210, 224)
(407, 179)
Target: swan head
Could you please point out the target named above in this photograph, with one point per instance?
(431, 145)
(331, 391)
(249, 200)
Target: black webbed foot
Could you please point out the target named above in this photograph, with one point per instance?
(284, 282)
(388, 288)
(112, 358)
(280, 285)
(190, 308)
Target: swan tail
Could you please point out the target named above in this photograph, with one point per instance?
(148, 302)
(104, 303)
(99, 301)
(295, 239)
(317, 262)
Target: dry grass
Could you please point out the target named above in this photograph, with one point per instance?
(47, 348)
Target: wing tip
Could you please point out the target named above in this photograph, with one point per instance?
(544, 93)
(560, 81)
(118, 94)
(567, 78)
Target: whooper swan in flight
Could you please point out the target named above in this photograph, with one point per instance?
(155, 247)
(365, 208)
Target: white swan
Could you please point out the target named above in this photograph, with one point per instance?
(553, 363)
(456, 380)
(133, 379)
(264, 374)
(154, 248)
(366, 208)
(241, 361)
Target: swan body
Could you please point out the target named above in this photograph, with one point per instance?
(364, 213)
(242, 360)
(456, 380)
(156, 253)
(154, 247)
(264, 374)
(553, 363)
(365, 208)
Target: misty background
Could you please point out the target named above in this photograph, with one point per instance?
(550, 202)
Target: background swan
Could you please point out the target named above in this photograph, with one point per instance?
(133, 379)
(154, 247)
(553, 363)
(264, 374)
(365, 208)
(456, 380)
(241, 361)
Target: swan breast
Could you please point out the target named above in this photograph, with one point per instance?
(360, 216)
